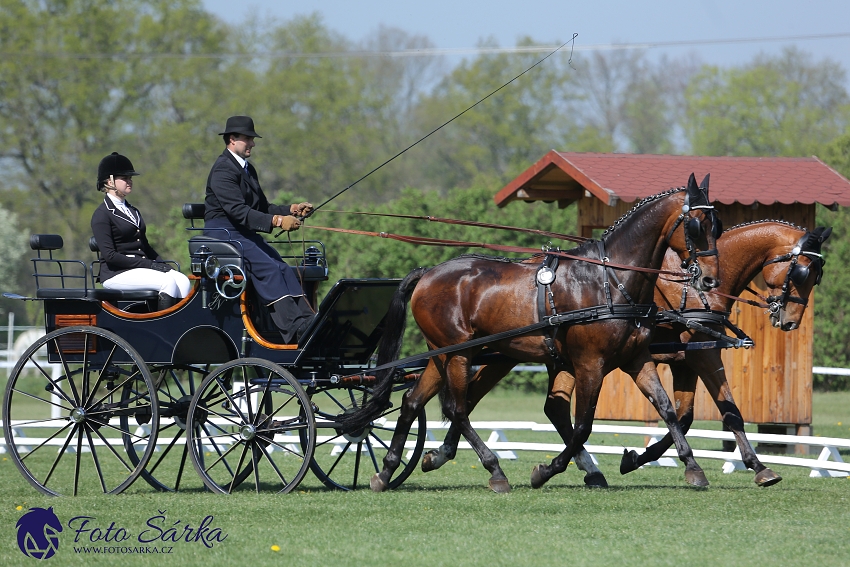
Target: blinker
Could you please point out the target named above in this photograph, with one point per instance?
(694, 228)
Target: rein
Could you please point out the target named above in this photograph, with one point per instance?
(569, 237)
(425, 241)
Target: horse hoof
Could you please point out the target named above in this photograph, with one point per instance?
(376, 484)
(629, 462)
(696, 478)
(595, 480)
(500, 486)
(429, 462)
(537, 478)
(767, 478)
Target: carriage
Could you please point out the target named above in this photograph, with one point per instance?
(117, 390)
(145, 391)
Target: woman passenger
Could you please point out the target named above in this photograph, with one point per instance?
(129, 261)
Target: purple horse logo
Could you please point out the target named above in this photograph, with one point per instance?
(38, 533)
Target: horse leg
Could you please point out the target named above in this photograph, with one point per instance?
(649, 383)
(485, 378)
(426, 387)
(684, 386)
(454, 408)
(588, 384)
(557, 409)
(714, 377)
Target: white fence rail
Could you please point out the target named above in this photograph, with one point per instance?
(827, 464)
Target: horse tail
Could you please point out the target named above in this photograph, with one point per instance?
(388, 350)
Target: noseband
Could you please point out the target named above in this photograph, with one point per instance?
(796, 273)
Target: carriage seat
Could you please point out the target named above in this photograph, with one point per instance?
(72, 276)
(113, 295)
(229, 251)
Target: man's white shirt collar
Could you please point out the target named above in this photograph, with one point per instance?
(238, 158)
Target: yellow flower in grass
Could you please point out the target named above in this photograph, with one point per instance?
(275, 547)
(19, 508)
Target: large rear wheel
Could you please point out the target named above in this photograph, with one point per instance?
(65, 420)
(246, 423)
(347, 461)
(175, 386)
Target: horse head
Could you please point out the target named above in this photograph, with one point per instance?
(696, 242)
(791, 277)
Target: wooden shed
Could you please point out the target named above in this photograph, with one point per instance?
(772, 383)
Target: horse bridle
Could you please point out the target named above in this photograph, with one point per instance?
(692, 230)
(796, 273)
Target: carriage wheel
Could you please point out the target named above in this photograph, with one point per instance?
(175, 386)
(347, 461)
(246, 423)
(65, 422)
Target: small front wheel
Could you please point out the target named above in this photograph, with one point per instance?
(245, 426)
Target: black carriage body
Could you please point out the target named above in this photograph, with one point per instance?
(200, 332)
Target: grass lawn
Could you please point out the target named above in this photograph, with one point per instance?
(449, 517)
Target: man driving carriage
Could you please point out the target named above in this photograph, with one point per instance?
(236, 208)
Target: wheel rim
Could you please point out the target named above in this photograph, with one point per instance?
(169, 466)
(347, 461)
(245, 425)
(65, 421)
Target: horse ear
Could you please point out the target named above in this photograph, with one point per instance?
(825, 234)
(704, 184)
(692, 182)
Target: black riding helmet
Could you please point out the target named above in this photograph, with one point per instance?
(114, 164)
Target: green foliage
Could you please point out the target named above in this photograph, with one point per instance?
(354, 256)
(785, 106)
(832, 303)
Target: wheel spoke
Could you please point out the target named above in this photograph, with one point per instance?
(46, 441)
(64, 362)
(77, 458)
(96, 461)
(54, 383)
(273, 464)
(112, 449)
(60, 406)
(239, 467)
(165, 451)
(59, 454)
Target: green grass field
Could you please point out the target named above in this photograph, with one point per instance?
(449, 517)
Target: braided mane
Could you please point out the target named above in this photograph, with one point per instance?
(749, 223)
(640, 204)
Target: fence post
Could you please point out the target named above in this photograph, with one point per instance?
(10, 337)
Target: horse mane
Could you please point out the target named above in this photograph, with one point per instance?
(749, 223)
(640, 204)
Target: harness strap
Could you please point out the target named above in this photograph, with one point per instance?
(694, 320)
(544, 297)
(594, 314)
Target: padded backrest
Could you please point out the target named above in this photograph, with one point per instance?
(46, 242)
(93, 245)
(226, 252)
(194, 211)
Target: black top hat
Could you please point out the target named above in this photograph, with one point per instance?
(240, 125)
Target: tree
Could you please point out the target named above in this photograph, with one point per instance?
(783, 106)
(80, 79)
(832, 305)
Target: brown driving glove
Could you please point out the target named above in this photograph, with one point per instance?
(286, 223)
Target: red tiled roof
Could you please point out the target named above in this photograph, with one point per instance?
(629, 177)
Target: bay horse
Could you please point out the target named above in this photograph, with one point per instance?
(471, 297)
(790, 262)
